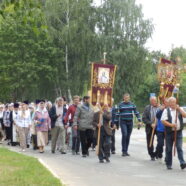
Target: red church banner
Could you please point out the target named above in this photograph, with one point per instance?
(168, 76)
(102, 82)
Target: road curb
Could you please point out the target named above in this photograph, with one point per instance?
(52, 172)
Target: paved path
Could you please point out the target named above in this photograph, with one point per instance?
(136, 170)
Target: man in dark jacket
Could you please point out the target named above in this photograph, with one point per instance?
(105, 134)
(58, 126)
(149, 119)
(172, 118)
(8, 122)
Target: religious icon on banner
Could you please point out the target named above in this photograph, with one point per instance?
(103, 75)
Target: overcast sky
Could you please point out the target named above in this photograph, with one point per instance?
(169, 20)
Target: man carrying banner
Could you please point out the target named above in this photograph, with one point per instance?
(149, 119)
(172, 118)
(105, 132)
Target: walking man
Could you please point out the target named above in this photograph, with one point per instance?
(126, 110)
(149, 119)
(70, 117)
(172, 118)
(83, 120)
(58, 126)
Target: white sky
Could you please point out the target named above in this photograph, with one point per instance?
(169, 21)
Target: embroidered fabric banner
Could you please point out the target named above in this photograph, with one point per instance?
(102, 82)
(168, 76)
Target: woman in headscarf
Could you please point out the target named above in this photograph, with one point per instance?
(42, 121)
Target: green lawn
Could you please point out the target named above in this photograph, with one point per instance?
(184, 139)
(20, 170)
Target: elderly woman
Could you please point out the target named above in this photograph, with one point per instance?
(42, 121)
(23, 123)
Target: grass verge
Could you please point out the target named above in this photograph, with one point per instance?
(20, 170)
(184, 139)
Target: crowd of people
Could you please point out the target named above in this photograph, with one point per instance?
(25, 123)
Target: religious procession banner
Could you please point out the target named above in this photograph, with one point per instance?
(169, 77)
(102, 83)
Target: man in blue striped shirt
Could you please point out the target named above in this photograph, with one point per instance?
(126, 109)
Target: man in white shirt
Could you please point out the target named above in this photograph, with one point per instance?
(172, 118)
(57, 113)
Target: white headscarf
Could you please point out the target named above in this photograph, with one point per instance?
(42, 111)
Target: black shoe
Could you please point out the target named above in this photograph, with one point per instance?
(63, 152)
(53, 151)
(183, 166)
(169, 167)
(28, 146)
(77, 153)
(153, 159)
(73, 152)
(101, 161)
(84, 156)
(127, 154)
(113, 152)
(124, 154)
(107, 160)
(87, 153)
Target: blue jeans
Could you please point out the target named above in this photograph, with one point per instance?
(126, 130)
(160, 144)
(169, 146)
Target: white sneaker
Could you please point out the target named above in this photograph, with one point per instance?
(23, 150)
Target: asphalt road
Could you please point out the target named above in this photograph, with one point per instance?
(136, 170)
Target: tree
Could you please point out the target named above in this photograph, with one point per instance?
(123, 32)
(27, 58)
(72, 27)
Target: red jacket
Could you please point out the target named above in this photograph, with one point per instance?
(71, 110)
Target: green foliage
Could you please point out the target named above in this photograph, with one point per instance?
(46, 47)
(27, 57)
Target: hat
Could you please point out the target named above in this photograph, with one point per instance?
(11, 104)
(26, 102)
(37, 101)
(16, 105)
(41, 100)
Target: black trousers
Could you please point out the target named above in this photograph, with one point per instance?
(8, 131)
(34, 141)
(86, 138)
(75, 140)
(151, 151)
(104, 146)
(113, 149)
(160, 144)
